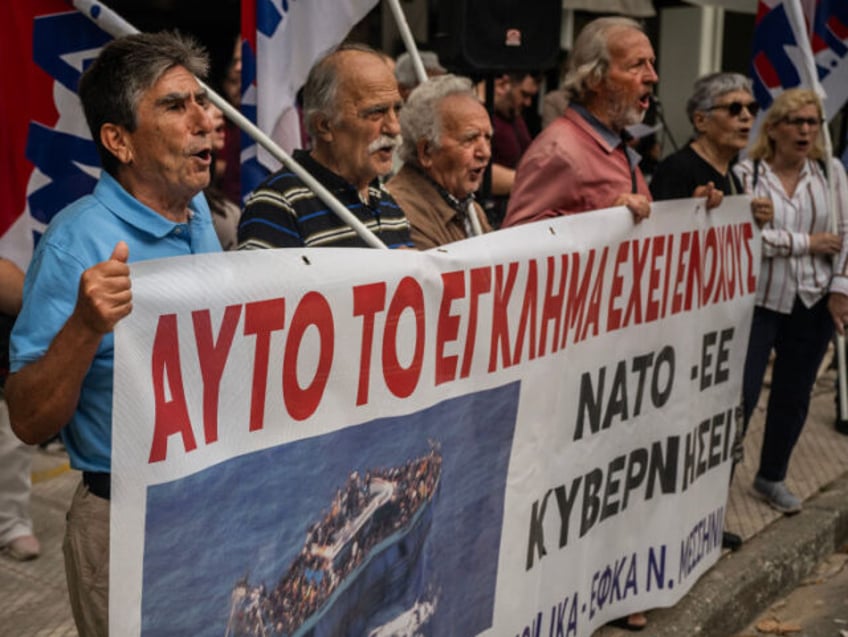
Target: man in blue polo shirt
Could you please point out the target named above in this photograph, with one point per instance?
(148, 117)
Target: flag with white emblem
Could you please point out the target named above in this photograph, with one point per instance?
(282, 39)
(801, 43)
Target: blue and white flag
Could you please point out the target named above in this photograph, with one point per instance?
(801, 43)
(282, 40)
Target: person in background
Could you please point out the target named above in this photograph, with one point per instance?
(787, 163)
(230, 156)
(513, 92)
(407, 80)
(722, 110)
(351, 107)
(16, 535)
(225, 213)
(405, 74)
(149, 118)
(447, 144)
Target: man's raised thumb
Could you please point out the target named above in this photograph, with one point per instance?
(121, 252)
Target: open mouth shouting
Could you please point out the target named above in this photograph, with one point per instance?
(204, 156)
(475, 175)
(803, 145)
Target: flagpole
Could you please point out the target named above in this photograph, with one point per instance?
(116, 26)
(408, 40)
(842, 382)
(808, 62)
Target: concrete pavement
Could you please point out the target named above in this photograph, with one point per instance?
(33, 595)
(778, 552)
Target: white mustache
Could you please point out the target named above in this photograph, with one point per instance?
(384, 141)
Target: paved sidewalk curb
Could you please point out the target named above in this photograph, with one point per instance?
(767, 567)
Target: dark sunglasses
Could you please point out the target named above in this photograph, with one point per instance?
(735, 108)
(798, 122)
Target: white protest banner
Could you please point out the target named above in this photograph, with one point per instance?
(526, 433)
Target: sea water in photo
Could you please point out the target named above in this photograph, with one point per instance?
(229, 540)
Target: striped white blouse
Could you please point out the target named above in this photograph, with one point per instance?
(788, 269)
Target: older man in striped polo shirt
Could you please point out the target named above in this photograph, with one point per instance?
(351, 105)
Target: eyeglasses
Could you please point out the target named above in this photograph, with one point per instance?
(798, 122)
(735, 108)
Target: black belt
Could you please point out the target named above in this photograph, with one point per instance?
(100, 484)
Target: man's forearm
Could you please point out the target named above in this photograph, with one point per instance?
(502, 179)
(11, 287)
(43, 395)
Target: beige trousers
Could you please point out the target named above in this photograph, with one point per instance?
(86, 550)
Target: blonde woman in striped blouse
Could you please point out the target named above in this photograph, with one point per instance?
(787, 164)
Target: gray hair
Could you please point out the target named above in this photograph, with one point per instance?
(405, 70)
(111, 88)
(420, 117)
(709, 88)
(322, 84)
(589, 59)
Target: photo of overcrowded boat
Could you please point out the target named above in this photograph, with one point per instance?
(357, 558)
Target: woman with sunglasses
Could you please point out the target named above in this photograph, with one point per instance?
(787, 163)
(722, 110)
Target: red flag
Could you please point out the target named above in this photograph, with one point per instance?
(47, 158)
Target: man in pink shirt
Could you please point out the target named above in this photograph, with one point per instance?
(580, 162)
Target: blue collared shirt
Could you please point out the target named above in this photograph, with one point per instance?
(80, 236)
